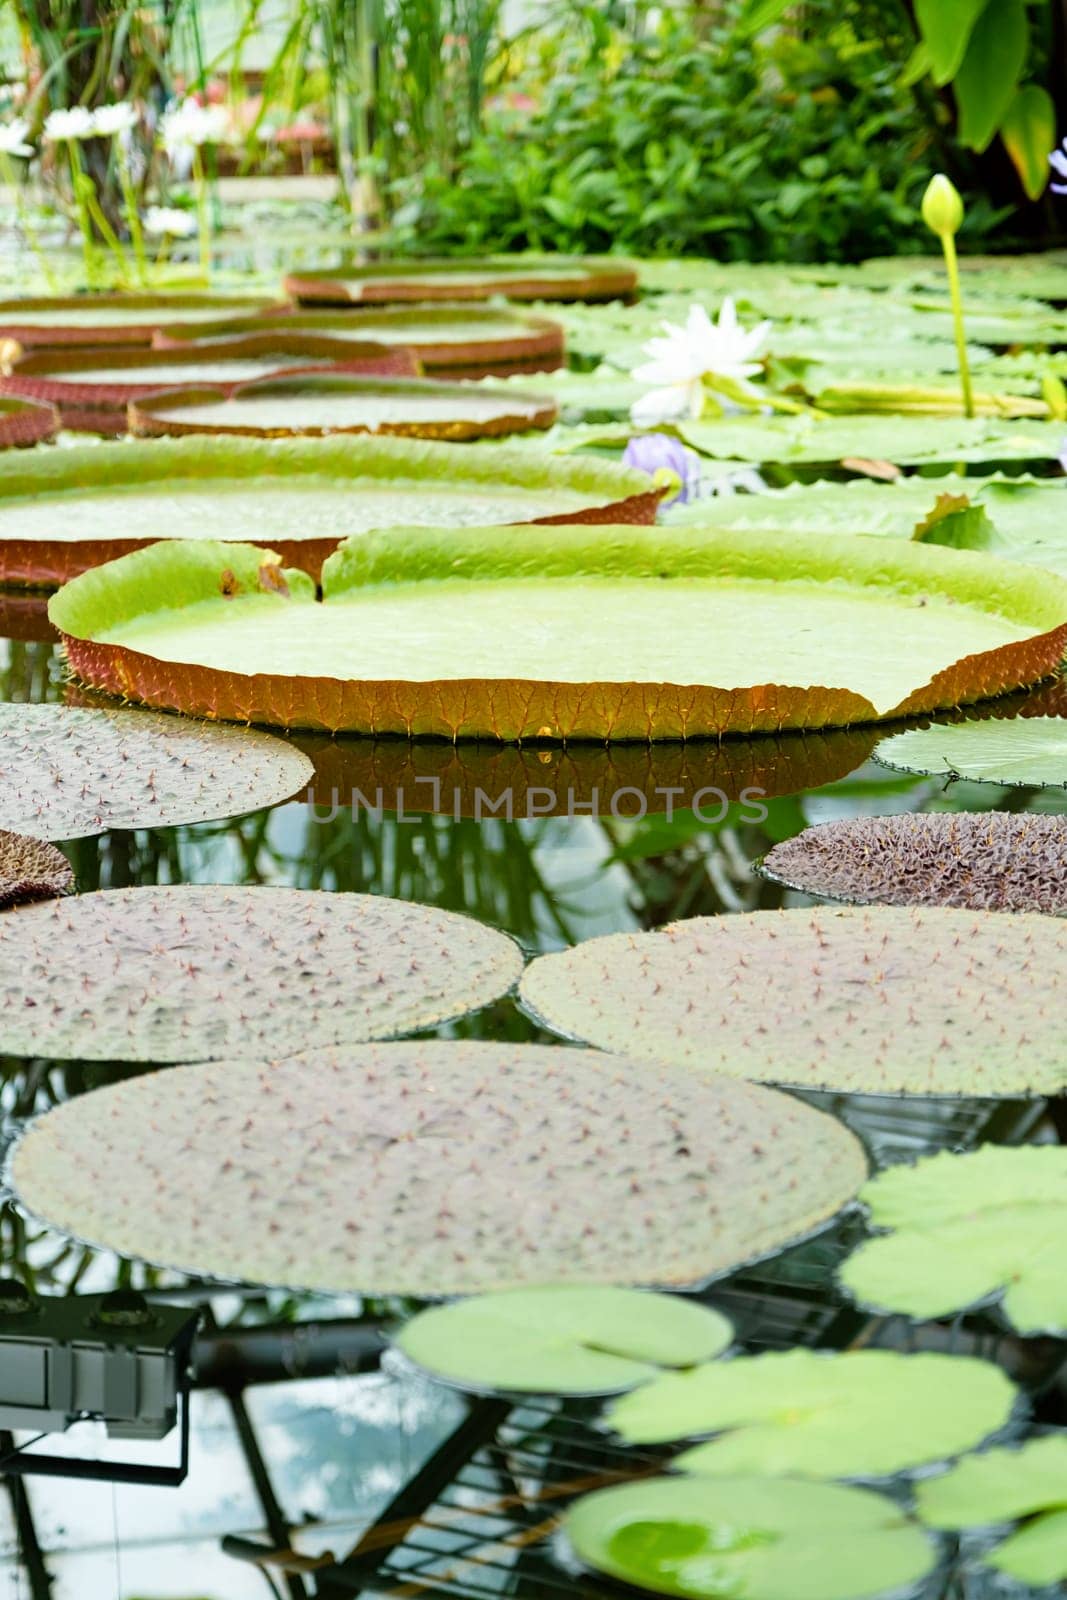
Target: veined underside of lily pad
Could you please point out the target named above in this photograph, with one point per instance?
(317, 405)
(63, 512)
(58, 321)
(562, 634)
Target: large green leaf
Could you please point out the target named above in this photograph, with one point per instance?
(749, 1539)
(1027, 752)
(1029, 133)
(986, 81)
(967, 1227)
(562, 1339)
(1030, 1482)
(570, 641)
(905, 441)
(946, 27)
(810, 1414)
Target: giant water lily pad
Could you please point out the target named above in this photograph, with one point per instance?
(903, 441)
(1025, 752)
(54, 322)
(31, 870)
(470, 341)
(68, 772)
(196, 972)
(1028, 1482)
(320, 405)
(872, 1000)
(861, 1414)
(562, 1339)
(62, 512)
(92, 388)
(569, 641)
(991, 861)
(439, 1167)
(965, 1228)
(26, 422)
(749, 1539)
(517, 277)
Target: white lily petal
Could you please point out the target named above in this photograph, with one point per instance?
(669, 404)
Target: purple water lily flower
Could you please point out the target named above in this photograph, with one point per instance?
(656, 452)
(1058, 162)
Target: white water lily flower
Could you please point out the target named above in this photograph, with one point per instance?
(189, 125)
(63, 126)
(13, 138)
(169, 222)
(122, 117)
(684, 356)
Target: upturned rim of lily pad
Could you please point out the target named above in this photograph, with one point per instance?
(395, 281)
(524, 708)
(40, 336)
(26, 421)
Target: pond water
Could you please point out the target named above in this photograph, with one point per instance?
(299, 1440)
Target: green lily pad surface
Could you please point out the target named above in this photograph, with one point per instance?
(432, 1167)
(1023, 752)
(749, 1539)
(334, 403)
(68, 772)
(904, 441)
(861, 1414)
(569, 641)
(866, 1000)
(1028, 1482)
(199, 971)
(559, 1339)
(988, 860)
(966, 1228)
(65, 511)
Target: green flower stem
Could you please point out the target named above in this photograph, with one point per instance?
(202, 215)
(110, 237)
(948, 244)
(11, 179)
(133, 216)
(85, 223)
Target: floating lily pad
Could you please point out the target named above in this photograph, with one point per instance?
(68, 772)
(755, 625)
(55, 321)
(1026, 752)
(1027, 1482)
(812, 1414)
(990, 861)
(750, 1539)
(903, 441)
(92, 388)
(446, 341)
(562, 1339)
(26, 422)
(319, 405)
(517, 277)
(31, 870)
(432, 1167)
(871, 1000)
(197, 972)
(62, 512)
(965, 1228)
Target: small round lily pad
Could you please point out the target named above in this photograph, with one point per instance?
(965, 1228)
(428, 1167)
(750, 1539)
(1028, 1482)
(196, 972)
(865, 1000)
(860, 1414)
(67, 772)
(1020, 752)
(562, 1339)
(989, 861)
(31, 870)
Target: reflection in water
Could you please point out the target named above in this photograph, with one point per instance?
(555, 861)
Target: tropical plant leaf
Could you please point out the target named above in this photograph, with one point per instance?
(946, 27)
(220, 630)
(967, 1227)
(562, 1339)
(986, 81)
(1029, 1481)
(436, 1167)
(1027, 752)
(875, 1000)
(1029, 133)
(812, 1414)
(765, 1539)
